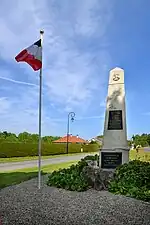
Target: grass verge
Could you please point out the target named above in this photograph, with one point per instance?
(18, 176)
(140, 155)
(22, 159)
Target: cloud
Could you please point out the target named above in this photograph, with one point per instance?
(21, 113)
(75, 57)
(17, 82)
(90, 117)
(93, 17)
(78, 118)
(72, 66)
(4, 105)
(103, 104)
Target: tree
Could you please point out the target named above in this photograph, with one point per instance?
(10, 137)
(148, 139)
(50, 139)
(2, 137)
(92, 142)
(129, 143)
(34, 138)
(5, 134)
(100, 136)
(140, 140)
(24, 137)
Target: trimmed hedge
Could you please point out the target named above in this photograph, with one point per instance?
(8, 150)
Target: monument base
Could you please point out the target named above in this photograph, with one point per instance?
(109, 159)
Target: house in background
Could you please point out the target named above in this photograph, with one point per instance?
(97, 139)
(71, 139)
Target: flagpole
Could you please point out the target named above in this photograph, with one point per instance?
(40, 109)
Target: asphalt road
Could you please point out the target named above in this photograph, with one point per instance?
(34, 163)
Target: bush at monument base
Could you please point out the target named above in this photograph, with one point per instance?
(132, 179)
(80, 177)
(8, 150)
(70, 178)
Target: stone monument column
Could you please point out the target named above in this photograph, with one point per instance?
(115, 150)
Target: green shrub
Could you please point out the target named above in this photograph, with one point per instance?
(8, 150)
(132, 179)
(91, 157)
(70, 178)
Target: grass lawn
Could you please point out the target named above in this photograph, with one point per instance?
(18, 176)
(21, 159)
(141, 155)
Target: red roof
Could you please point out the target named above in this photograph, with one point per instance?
(71, 139)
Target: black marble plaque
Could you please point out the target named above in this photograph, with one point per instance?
(115, 120)
(110, 160)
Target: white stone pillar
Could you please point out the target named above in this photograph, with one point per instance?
(115, 132)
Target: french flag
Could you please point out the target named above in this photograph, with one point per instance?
(32, 55)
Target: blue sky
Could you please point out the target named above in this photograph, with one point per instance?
(83, 41)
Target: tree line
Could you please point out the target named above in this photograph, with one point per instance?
(143, 140)
(25, 137)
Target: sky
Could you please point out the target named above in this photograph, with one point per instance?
(83, 41)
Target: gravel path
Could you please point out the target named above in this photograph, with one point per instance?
(44, 162)
(25, 204)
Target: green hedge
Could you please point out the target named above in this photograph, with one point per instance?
(8, 150)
